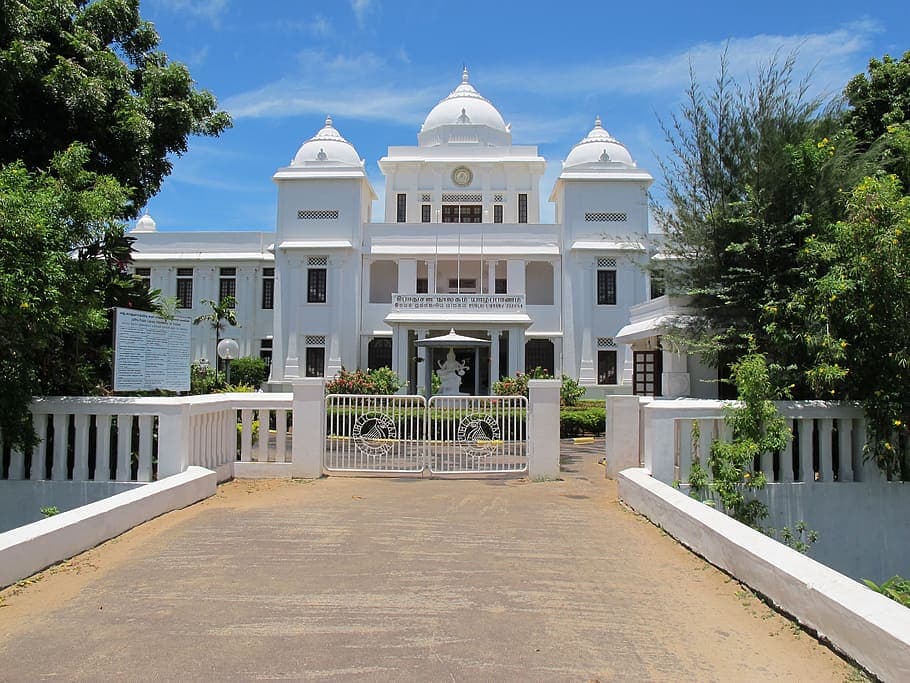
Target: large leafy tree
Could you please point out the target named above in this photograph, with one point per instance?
(90, 72)
(753, 172)
(90, 112)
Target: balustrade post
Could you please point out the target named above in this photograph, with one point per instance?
(543, 428)
(174, 440)
(623, 439)
(308, 436)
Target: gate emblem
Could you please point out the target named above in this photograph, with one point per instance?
(479, 434)
(373, 433)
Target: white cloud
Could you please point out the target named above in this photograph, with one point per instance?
(829, 55)
(212, 10)
(362, 9)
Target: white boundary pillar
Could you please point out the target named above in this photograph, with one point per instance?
(308, 438)
(543, 428)
(623, 434)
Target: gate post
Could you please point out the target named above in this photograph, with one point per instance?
(308, 439)
(622, 442)
(543, 428)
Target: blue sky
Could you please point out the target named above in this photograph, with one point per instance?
(279, 66)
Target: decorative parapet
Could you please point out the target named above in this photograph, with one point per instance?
(459, 302)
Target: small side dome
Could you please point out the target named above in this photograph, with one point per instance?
(145, 224)
(601, 148)
(327, 148)
(462, 106)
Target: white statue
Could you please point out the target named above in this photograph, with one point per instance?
(450, 373)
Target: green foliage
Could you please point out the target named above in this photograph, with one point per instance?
(757, 429)
(205, 379)
(751, 174)
(435, 383)
(383, 381)
(575, 421)
(570, 393)
(221, 314)
(897, 588)
(857, 314)
(801, 538)
(249, 370)
(62, 265)
(91, 72)
(50, 511)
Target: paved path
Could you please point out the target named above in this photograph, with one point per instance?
(418, 580)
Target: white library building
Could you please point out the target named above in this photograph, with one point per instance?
(460, 249)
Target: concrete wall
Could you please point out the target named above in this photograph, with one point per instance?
(866, 626)
(21, 501)
(863, 527)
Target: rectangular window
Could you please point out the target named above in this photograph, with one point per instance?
(606, 366)
(422, 285)
(606, 287)
(184, 288)
(227, 285)
(424, 213)
(468, 213)
(501, 285)
(265, 352)
(379, 353)
(497, 213)
(315, 361)
(144, 276)
(522, 208)
(315, 290)
(402, 208)
(268, 288)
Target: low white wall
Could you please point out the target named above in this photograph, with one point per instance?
(21, 501)
(866, 626)
(863, 527)
(31, 548)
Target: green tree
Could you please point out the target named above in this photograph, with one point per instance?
(753, 172)
(858, 314)
(221, 315)
(62, 257)
(250, 371)
(90, 71)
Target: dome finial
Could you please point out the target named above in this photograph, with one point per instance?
(464, 73)
(328, 120)
(597, 123)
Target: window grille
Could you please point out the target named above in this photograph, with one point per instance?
(606, 263)
(426, 197)
(424, 213)
(402, 212)
(316, 286)
(606, 287)
(268, 288)
(317, 215)
(606, 367)
(184, 288)
(462, 197)
(605, 342)
(145, 276)
(522, 208)
(317, 261)
(315, 340)
(606, 217)
(227, 284)
(497, 213)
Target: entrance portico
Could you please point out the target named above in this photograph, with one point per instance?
(500, 319)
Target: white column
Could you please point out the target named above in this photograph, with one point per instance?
(494, 357)
(516, 351)
(543, 428)
(309, 427)
(407, 276)
(515, 275)
(423, 376)
(491, 277)
(340, 310)
(431, 277)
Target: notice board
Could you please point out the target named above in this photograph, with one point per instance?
(150, 352)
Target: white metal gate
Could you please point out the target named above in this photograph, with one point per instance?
(399, 435)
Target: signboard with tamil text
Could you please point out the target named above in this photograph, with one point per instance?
(150, 352)
(459, 302)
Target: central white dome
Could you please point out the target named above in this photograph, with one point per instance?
(464, 106)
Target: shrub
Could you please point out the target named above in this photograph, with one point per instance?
(381, 381)
(249, 370)
(897, 588)
(578, 421)
(205, 379)
(569, 393)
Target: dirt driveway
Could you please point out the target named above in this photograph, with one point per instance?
(386, 580)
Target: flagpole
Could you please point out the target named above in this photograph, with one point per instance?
(458, 263)
(481, 264)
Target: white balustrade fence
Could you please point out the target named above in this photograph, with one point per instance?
(125, 438)
(265, 423)
(827, 444)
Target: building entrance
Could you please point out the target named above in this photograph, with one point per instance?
(475, 380)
